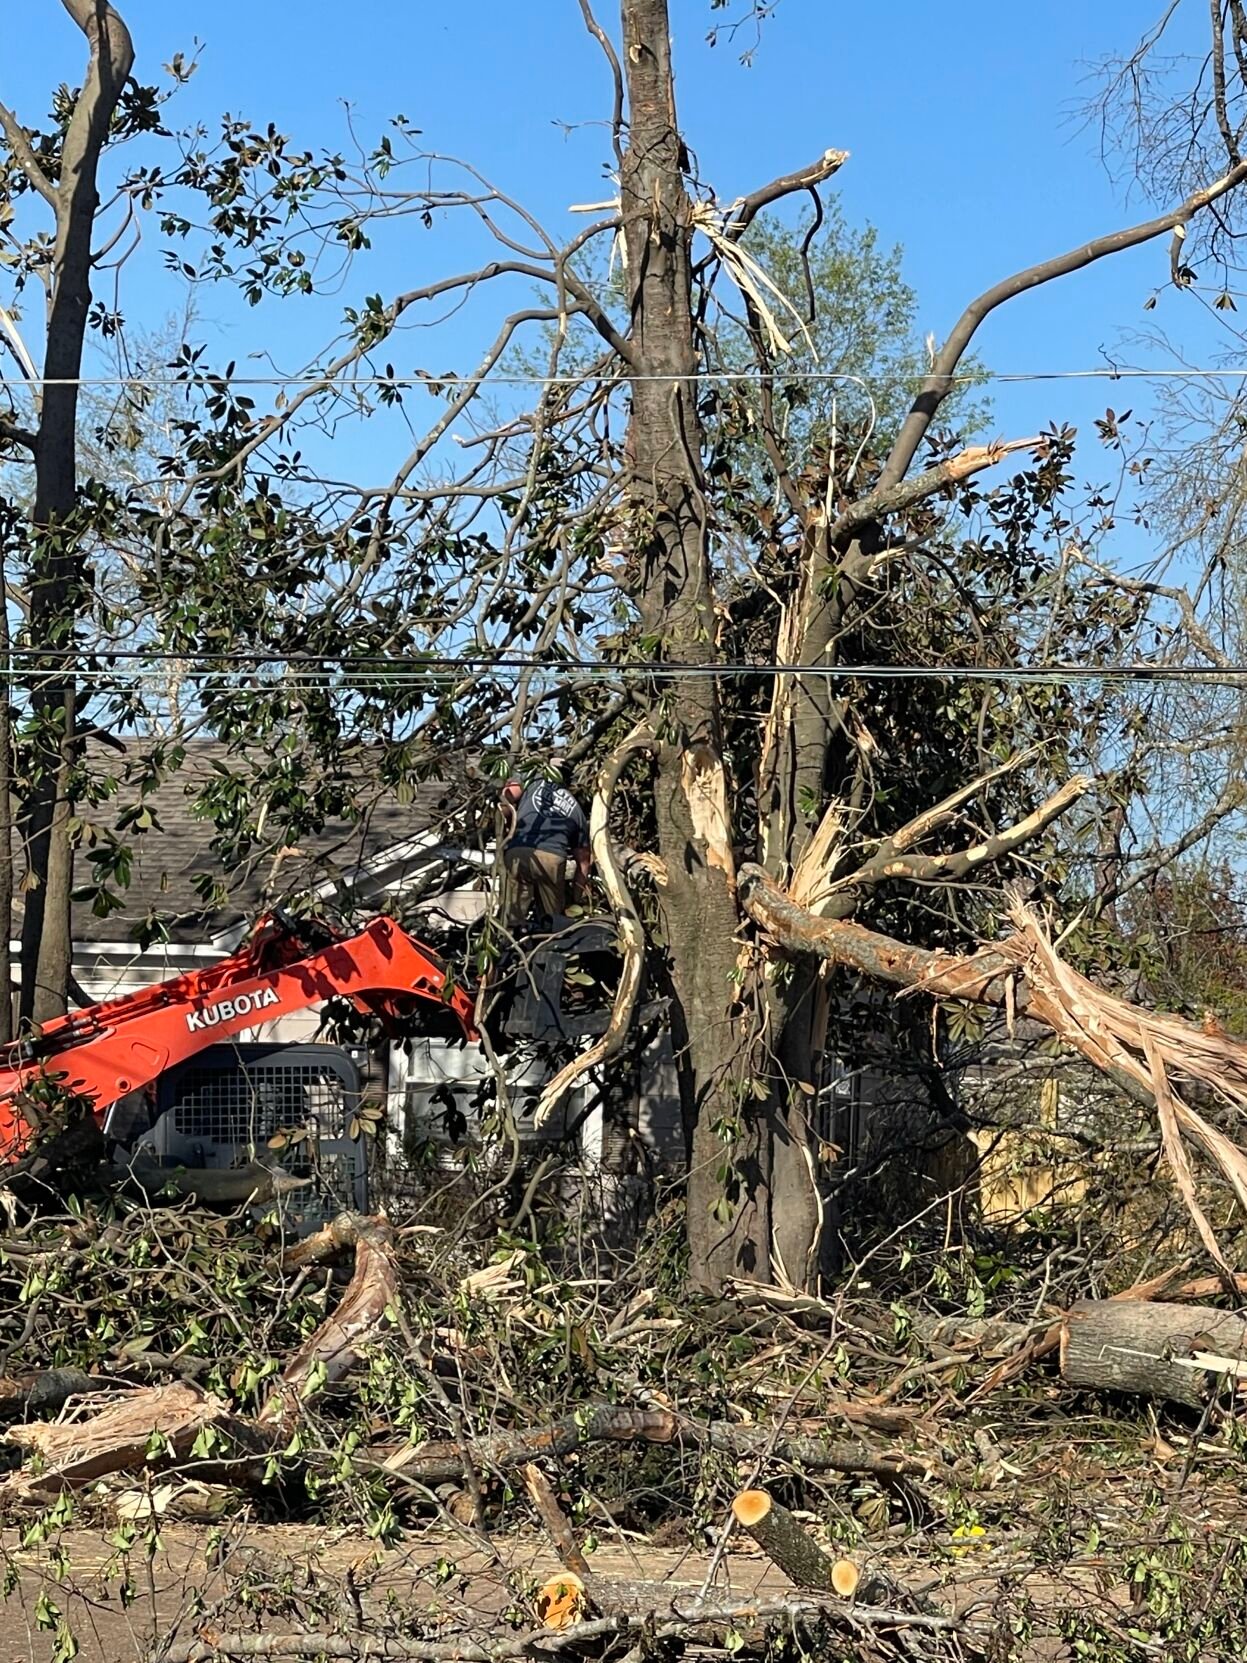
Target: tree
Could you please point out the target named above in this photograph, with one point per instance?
(61, 167)
(708, 580)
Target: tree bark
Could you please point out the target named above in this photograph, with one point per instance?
(57, 582)
(783, 1539)
(442, 1462)
(672, 586)
(1175, 1352)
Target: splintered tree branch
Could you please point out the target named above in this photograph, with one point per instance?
(892, 862)
(631, 930)
(931, 820)
(742, 213)
(893, 498)
(1138, 1049)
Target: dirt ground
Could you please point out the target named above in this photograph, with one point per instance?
(439, 1570)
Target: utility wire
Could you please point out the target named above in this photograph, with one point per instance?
(336, 671)
(346, 383)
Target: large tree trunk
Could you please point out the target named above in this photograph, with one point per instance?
(57, 585)
(673, 590)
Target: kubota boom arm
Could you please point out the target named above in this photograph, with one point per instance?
(122, 1045)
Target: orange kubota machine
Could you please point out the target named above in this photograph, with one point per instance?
(110, 1050)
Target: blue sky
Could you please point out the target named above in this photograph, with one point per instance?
(966, 147)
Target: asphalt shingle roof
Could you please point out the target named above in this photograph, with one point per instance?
(169, 857)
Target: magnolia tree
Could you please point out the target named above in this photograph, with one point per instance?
(684, 551)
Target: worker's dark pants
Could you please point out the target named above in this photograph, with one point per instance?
(535, 874)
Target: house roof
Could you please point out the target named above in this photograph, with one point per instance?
(176, 850)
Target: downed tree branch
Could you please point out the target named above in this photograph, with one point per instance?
(150, 1426)
(558, 1527)
(1136, 1048)
(256, 1184)
(335, 1346)
(158, 1426)
(362, 1648)
(631, 930)
(45, 1393)
(442, 1462)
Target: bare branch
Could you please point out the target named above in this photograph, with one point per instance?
(612, 57)
(12, 434)
(745, 209)
(930, 820)
(25, 157)
(1147, 865)
(939, 384)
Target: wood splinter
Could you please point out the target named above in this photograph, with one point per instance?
(790, 1546)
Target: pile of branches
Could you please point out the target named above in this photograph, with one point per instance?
(403, 1381)
(162, 1362)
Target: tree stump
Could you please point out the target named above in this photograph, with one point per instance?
(1174, 1352)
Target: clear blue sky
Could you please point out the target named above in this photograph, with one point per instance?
(965, 143)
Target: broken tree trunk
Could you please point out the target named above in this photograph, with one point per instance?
(1174, 1352)
(152, 1425)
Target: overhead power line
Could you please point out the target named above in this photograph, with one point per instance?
(1106, 372)
(314, 671)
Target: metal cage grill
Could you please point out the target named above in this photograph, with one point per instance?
(222, 1108)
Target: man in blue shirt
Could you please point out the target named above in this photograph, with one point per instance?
(550, 829)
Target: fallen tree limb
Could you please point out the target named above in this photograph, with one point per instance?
(1175, 1352)
(158, 1426)
(557, 1525)
(362, 1648)
(335, 1346)
(442, 1462)
(45, 1393)
(255, 1184)
(1138, 1049)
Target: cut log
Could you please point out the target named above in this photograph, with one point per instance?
(845, 1578)
(784, 1540)
(562, 1601)
(1175, 1352)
